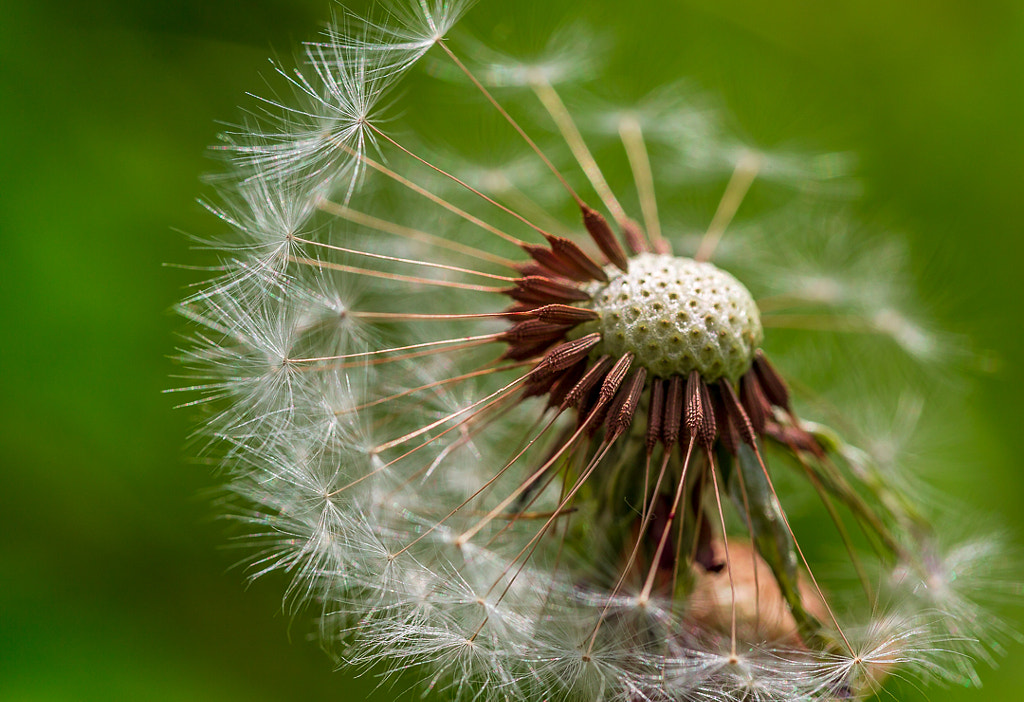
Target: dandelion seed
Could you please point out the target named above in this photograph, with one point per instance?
(533, 458)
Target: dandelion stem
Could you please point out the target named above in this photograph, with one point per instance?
(799, 550)
(464, 184)
(437, 199)
(426, 470)
(397, 276)
(521, 511)
(647, 481)
(728, 560)
(382, 225)
(844, 534)
(401, 357)
(364, 354)
(523, 202)
(862, 510)
(753, 552)
(515, 125)
(428, 317)
(645, 594)
(436, 383)
(648, 514)
(472, 531)
(678, 557)
(742, 178)
(548, 96)
(381, 469)
(531, 545)
(534, 542)
(561, 541)
(479, 491)
(449, 417)
(698, 513)
(633, 141)
(413, 262)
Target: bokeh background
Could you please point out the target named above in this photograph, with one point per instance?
(115, 583)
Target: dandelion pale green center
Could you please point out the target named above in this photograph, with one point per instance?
(677, 315)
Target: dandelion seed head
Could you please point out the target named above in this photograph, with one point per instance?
(526, 456)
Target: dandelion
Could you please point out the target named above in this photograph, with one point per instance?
(538, 457)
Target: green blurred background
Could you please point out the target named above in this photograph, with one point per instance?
(114, 580)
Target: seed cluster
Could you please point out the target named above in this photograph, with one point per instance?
(677, 315)
(644, 322)
(550, 477)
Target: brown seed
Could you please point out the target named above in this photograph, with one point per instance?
(533, 329)
(771, 382)
(565, 314)
(674, 422)
(636, 241)
(700, 415)
(754, 402)
(604, 237)
(655, 414)
(567, 354)
(727, 434)
(588, 381)
(622, 415)
(531, 348)
(574, 257)
(540, 385)
(566, 381)
(794, 437)
(532, 269)
(549, 260)
(615, 376)
(543, 290)
(737, 416)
